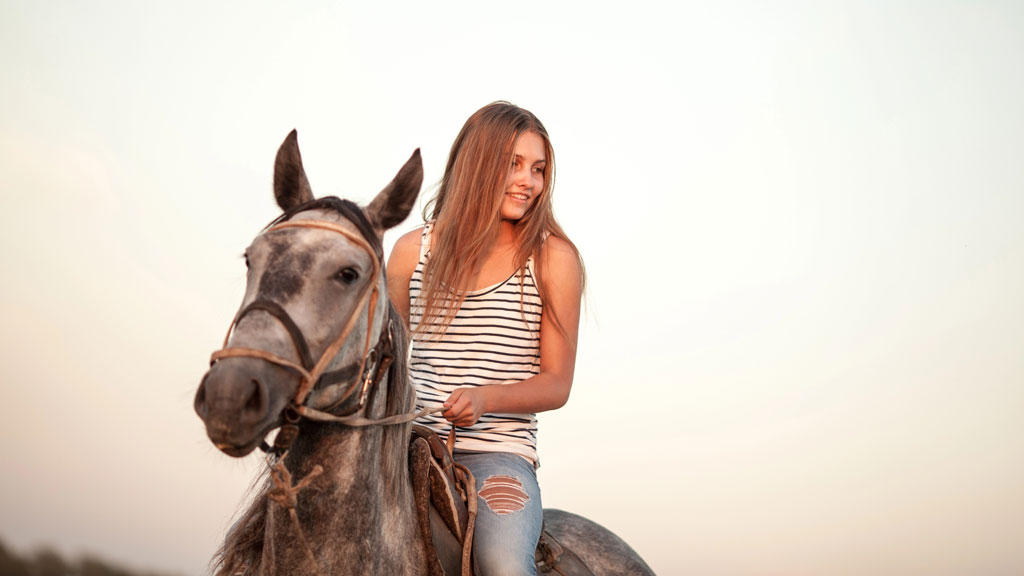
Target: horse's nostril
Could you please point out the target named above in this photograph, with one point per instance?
(257, 401)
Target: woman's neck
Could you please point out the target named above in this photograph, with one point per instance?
(506, 234)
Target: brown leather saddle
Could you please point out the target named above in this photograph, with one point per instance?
(446, 502)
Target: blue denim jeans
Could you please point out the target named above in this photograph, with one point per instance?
(509, 513)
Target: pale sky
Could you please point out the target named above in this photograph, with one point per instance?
(804, 345)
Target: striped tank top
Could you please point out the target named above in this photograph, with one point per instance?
(493, 339)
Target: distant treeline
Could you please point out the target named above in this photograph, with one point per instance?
(46, 562)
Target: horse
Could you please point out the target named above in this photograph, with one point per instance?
(317, 352)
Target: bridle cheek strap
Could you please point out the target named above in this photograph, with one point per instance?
(314, 375)
(333, 349)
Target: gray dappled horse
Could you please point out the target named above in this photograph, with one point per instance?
(309, 353)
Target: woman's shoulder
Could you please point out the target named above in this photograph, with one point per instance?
(410, 239)
(561, 261)
(406, 252)
(559, 252)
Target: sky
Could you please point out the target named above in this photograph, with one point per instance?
(802, 345)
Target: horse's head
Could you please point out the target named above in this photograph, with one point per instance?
(313, 323)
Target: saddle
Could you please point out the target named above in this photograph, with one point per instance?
(446, 505)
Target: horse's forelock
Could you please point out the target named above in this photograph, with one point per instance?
(347, 209)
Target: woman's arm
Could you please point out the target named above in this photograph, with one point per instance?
(562, 287)
(401, 264)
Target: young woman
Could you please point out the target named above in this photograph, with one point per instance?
(490, 288)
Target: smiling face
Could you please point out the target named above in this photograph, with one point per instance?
(525, 180)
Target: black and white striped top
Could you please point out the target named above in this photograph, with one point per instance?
(493, 339)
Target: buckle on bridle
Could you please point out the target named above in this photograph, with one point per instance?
(369, 372)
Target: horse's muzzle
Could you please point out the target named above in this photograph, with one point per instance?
(239, 404)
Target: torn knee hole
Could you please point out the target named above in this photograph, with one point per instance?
(504, 494)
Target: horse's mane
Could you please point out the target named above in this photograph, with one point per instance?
(400, 398)
(242, 550)
(241, 554)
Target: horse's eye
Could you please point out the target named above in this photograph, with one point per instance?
(348, 275)
(246, 256)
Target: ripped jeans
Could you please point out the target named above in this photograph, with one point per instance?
(509, 513)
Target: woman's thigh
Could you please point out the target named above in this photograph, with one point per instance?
(509, 513)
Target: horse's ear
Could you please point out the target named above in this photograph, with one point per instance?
(396, 200)
(291, 188)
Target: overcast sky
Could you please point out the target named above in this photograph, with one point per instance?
(804, 345)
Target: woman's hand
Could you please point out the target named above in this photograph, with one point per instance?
(465, 406)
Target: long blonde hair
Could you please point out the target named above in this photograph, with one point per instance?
(466, 211)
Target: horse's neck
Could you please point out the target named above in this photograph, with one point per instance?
(357, 517)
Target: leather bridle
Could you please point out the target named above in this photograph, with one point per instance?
(336, 386)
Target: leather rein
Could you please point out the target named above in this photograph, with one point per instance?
(336, 386)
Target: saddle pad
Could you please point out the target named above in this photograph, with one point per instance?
(419, 471)
(446, 493)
